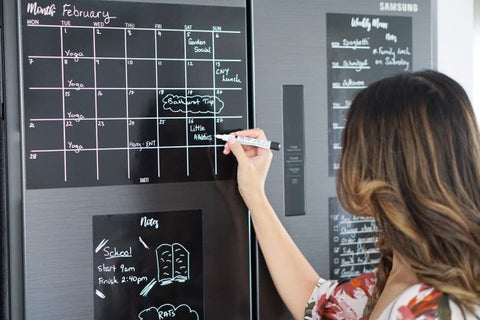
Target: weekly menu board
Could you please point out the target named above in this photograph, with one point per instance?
(361, 49)
(148, 266)
(121, 93)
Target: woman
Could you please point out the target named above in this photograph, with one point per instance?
(411, 159)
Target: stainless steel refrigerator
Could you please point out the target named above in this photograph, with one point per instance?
(117, 201)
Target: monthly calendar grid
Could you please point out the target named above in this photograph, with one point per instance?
(96, 88)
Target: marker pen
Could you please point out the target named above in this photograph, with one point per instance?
(265, 144)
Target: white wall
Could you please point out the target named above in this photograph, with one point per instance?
(476, 60)
(455, 43)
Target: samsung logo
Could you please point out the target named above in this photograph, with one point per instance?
(398, 7)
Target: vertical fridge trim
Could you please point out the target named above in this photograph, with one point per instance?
(14, 145)
(253, 248)
(4, 287)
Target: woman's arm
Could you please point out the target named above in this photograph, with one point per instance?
(292, 274)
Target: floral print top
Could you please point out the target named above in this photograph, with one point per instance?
(332, 300)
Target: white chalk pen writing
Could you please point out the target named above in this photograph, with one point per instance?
(76, 85)
(74, 55)
(123, 279)
(367, 24)
(109, 253)
(105, 268)
(149, 222)
(75, 147)
(77, 117)
(72, 11)
(35, 9)
(202, 137)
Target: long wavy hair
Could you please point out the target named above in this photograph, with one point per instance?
(411, 158)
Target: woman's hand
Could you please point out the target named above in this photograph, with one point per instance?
(253, 165)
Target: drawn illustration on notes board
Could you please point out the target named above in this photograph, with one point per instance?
(169, 312)
(195, 104)
(173, 263)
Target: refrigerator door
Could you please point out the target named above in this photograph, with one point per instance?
(311, 57)
(122, 204)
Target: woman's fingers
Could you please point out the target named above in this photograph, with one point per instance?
(249, 150)
(236, 148)
(255, 133)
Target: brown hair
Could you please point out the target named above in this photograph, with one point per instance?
(411, 157)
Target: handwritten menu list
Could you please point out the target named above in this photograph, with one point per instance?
(352, 243)
(148, 266)
(360, 50)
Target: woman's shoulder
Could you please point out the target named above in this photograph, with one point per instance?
(333, 299)
(423, 302)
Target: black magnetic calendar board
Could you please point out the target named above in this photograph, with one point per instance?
(122, 92)
(148, 266)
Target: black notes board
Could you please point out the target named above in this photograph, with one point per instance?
(148, 266)
(360, 50)
(352, 243)
(130, 93)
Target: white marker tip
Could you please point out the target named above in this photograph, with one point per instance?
(223, 137)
